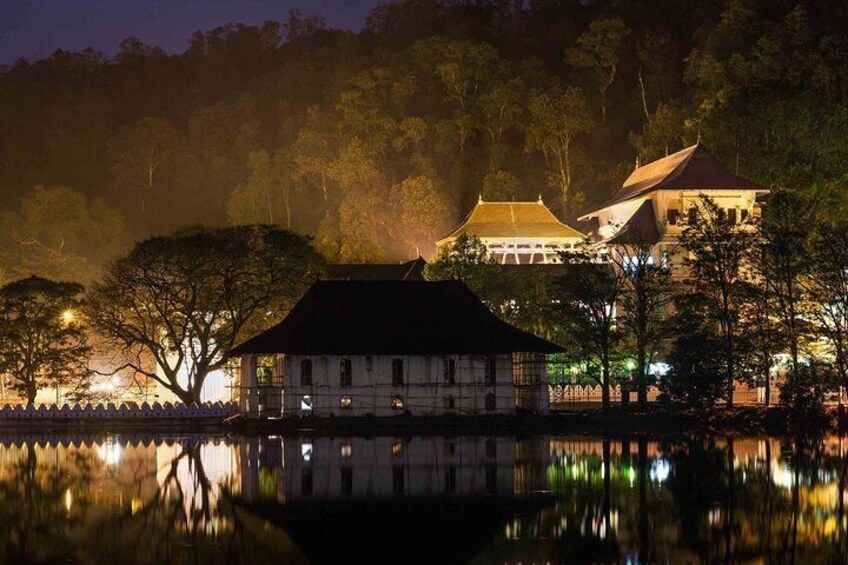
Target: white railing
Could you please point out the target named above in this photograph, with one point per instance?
(588, 394)
(124, 411)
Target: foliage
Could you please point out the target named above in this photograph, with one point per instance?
(804, 391)
(60, 233)
(585, 303)
(696, 375)
(179, 303)
(43, 342)
(717, 251)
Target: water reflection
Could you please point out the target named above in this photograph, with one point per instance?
(421, 499)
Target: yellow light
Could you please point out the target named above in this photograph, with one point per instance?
(69, 500)
(68, 316)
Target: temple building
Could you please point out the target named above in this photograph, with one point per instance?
(659, 199)
(382, 348)
(517, 233)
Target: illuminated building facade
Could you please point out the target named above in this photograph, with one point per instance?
(517, 233)
(356, 348)
(658, 200)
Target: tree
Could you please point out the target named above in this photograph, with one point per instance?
(717, 249)
(184, 300)
(423, 211)
(586, 297)
(266, 197)
(826, 288)
(466, 260)
(696, 375)
(501, 186)
(598, 49)
(647, 293)
(43, 342)
(557, 116)
(58, 232)
(785, 232)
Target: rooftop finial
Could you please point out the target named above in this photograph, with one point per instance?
(666, 150)
(480, 198)
(638, 161)
(540, 199)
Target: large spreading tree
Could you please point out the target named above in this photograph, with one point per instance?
(175, 305)
(43, 342)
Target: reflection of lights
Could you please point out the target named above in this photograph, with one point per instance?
(660, 469)
(631, 475)
(306, 451)
(714, 517)
(782, 476)
(397, 449)
(69, 500)
(347, 450)
(110, 453)
(658, 369)
(136, 506)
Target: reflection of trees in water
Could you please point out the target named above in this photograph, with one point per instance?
(53, 508)
(724, 500)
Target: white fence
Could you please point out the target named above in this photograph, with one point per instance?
(124, 411)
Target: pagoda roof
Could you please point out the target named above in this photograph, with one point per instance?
(693, 168)
(641, 228)
(393, 318)
(513, 220)
(408, 271)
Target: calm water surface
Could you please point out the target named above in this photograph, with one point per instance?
(120, 498)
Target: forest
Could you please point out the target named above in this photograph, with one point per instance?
(377, 142)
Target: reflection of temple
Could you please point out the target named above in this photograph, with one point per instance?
(517, 233)
(422, 499)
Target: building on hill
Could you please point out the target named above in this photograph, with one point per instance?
(392, 347)
(659, 199)
(408, 271)
(517, 233)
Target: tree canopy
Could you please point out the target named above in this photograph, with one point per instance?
(324, 132)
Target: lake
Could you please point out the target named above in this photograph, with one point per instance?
(129, 498)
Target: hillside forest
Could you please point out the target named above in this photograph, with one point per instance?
(377, 142)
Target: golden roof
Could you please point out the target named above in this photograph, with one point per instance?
(513, 220)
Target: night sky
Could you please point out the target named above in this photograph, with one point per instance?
(33, 29)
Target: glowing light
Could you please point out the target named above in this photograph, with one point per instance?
(69, 500)
(109, 453)
(68, 317)
(660, 470)
(136, 506)
(306, 451)
(630, 365)
(347, 450)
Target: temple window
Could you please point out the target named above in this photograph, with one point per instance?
(345, 402)
(265, 370)
(345, 372)
(397, 372)
(672, 216)
(491, 402)
(731, 216)
(693, 215)
(450, 370)
(491, 370)
(306, 372)
(450, 402)
(397, 403)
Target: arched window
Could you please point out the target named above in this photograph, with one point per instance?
(345, 372)
(491, 402)
(450, 370)
(397, 403)
(397, 372)
(306, 372)
(491, 369)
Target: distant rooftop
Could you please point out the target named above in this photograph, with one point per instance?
(409, 271)
(693, 168)
(513, 220)
(393, 318)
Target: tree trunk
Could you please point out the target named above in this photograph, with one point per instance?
(605, 391)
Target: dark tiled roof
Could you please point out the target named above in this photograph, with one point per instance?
(409, 271)
(693, 168)
(513, 219)
(641, 228)
(392, 318)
